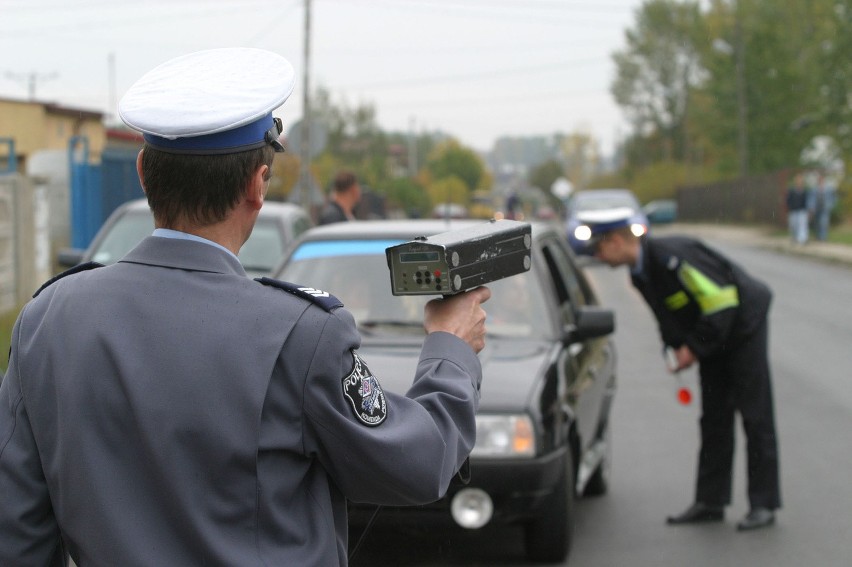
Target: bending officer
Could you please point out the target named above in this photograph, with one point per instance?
(712, 312)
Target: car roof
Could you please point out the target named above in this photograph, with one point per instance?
(402, 229)
(270, 208)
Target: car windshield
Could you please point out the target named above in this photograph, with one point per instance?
(263, 251)
(357, 273)
(604, 201)
(124, 234)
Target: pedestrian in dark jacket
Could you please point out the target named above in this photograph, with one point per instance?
(798, 209)
(712, 312)
(345, 196)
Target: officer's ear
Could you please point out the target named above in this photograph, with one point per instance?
(258, 185)
(139, 170)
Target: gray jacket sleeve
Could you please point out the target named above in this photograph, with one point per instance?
(411, 451)
(28, 528)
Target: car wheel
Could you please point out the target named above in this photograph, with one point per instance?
(548, 538)
(598, 484)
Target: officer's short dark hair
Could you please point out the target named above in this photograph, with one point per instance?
(198, 188)
(343, 181)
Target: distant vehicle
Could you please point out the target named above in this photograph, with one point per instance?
(661, 211)
(278, 224)
(599, 201)
(450, 211)
(549, 375)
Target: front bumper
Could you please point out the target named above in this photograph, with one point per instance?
(518, 489)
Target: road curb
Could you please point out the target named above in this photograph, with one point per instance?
(763, 237)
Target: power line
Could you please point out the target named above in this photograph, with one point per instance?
(32, 79)
(468, 77)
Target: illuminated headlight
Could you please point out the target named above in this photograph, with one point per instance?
(582, 232)
(501, 436)
(638, 229)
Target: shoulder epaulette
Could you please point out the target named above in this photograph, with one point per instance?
(318, 296)
(76, 269)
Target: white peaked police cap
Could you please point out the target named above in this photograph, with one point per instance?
(603, 221)
(215, 101)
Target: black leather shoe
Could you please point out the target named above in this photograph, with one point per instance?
(698, 513)
(757, 518)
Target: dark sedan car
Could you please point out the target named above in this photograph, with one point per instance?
(548, 374)
(278, 225)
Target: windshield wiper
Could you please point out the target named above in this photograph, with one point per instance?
(369, 325)
(259, 269)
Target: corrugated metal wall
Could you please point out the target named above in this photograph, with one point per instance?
(97, 190)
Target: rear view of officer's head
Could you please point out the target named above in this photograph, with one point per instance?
(207, 122)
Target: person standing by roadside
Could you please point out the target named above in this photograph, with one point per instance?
(798, 209)
(710, 312)
(345, 195)
(168, 410)
(824, 199)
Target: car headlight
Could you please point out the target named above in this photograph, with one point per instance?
(582, 232)
(638, 229)
(500, 436)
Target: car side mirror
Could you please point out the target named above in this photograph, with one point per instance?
(70, 257)
(590, 322)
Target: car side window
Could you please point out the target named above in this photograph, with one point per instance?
(566, 282)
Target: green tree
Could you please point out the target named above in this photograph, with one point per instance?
(544, 174)
(406, 195)
(451, 159)
(773, 87)
(658, 68)
(448, 189)
(833, 114)
(354, 139)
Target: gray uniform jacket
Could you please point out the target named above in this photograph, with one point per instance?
(168, 410)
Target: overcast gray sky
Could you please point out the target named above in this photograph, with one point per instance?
(477, 69)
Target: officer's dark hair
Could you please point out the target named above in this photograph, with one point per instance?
(198, 188)
(624, 231)
(343, 181)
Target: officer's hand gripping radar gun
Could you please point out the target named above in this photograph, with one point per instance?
(452, 262)
(684, 395)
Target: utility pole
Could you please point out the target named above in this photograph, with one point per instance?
(113, 101)
(32, 78)
(412, 149)
(305, 158)
(742, 100)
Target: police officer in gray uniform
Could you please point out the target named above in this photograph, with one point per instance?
(168, 410)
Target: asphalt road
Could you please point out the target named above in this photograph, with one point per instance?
(656, 444)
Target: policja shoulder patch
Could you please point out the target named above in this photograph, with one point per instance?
(364, 393)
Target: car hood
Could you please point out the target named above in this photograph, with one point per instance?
(511, 369)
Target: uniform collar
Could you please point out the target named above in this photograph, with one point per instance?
(184, 254)
(176, 234)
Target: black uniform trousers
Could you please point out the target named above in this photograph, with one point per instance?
(738, 380)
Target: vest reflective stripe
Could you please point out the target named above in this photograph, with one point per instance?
(677, 300)
(710, 297)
